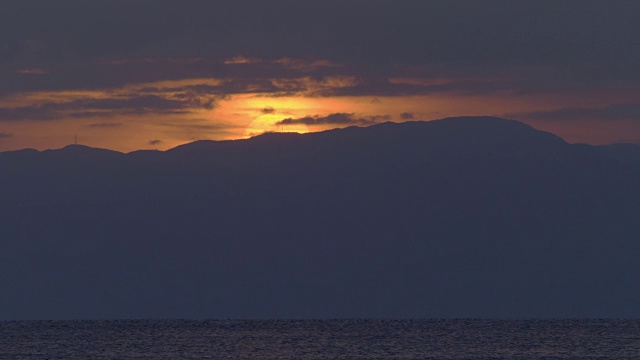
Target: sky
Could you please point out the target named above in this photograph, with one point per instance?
(154, 74)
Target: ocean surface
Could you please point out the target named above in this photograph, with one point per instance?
(321, 339)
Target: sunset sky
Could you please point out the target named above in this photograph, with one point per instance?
(128, 75)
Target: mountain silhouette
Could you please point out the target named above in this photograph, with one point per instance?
(459, 217)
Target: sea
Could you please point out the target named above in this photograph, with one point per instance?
(321, 339)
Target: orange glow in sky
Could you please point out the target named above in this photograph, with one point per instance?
(164, 114)
(246, 115)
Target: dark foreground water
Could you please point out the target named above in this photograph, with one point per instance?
(333, 339)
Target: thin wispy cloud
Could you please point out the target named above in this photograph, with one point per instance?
(105, 107)
(105, 125)
(336, 119)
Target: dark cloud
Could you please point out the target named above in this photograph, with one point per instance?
(105, 125)
(141, 104)
(274, 77)
(231, 87)
(277, 79)
(383, 32)
(268, 110)
(368, 86)
(612, 112)
(198, 125)
(155, 142)
(397, 82)
(241, 86)
(4, 135)
(196, 101)
(336, 119)
(119, 72)
(76, 45)
(407, 116)
(97, 107)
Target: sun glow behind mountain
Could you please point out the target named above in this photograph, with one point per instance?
(271, 123)
(166, 114)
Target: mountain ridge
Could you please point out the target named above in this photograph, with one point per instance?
(390, 221)
(467, 124)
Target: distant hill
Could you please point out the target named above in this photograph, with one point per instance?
(459, 217)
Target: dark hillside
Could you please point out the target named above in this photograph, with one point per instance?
(461, 217)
